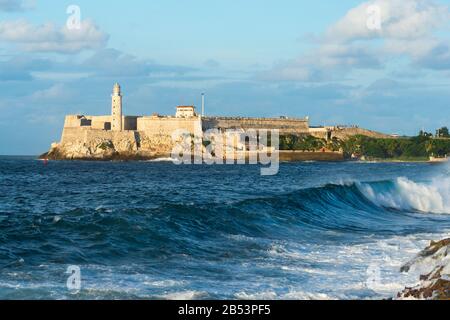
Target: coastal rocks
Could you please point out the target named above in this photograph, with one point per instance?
(434, 285)
(96, 149)
(161, 144)
(87, 144)
(112, 147)
(124, 145)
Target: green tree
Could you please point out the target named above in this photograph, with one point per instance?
(442, 133)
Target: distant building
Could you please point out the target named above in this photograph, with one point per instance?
(185, 112)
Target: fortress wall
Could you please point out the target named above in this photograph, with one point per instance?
(100, 125)
(294, 126)
(72, 135)
(130, 122)
(321, 132)
(99, 118)
(72, 121)
(76, 121)
(86, 134)
(100, 122)
(92, 134)
(166, 126)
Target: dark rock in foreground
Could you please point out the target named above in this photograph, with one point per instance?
(436, 284)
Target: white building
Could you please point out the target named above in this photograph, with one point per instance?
(186, 112)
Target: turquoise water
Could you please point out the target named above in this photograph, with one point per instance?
(154, 230)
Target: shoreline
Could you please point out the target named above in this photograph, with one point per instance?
(284, 156)
(403, 161)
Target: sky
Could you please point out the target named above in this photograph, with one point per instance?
(379, 64)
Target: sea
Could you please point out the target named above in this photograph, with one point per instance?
(156, 230)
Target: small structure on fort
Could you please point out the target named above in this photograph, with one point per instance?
(185, 112)
(143, 137)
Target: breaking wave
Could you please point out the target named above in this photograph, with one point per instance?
(404, 194)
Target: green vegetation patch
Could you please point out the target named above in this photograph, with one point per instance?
(106, 145)
(417, 148)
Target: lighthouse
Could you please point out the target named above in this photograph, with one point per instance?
(116, 114)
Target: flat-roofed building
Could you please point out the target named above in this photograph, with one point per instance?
(185, 112)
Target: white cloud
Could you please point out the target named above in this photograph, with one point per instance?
(408, 29)
(49, 38)
(400, 19)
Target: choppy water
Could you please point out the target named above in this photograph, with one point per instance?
(154, 230)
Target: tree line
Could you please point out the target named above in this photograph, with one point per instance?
(421, 146)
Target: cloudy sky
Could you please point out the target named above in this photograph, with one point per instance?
(326, 59)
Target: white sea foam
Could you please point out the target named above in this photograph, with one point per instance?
(292, 295)
(162, 160)
(103, 209)
(184, 295)
(302, 295)
(433, 197)
(425, 265)
(366, 270)
(164, 283)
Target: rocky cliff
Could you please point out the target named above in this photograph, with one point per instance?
(91, 145)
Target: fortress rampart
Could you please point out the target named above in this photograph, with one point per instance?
(86, 135)
(167, 125)
(285, 125)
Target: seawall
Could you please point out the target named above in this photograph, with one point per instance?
(293, 156)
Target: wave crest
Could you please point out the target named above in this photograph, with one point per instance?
(404, 194)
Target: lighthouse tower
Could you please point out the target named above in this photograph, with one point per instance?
(116, 114)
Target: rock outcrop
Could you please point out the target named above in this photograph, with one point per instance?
(434, 285)
(115, 147)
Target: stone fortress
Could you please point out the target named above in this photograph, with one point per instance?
(144, 137)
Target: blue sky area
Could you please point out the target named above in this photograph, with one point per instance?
(252, 58)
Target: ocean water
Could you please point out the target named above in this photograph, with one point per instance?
(154, 230)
